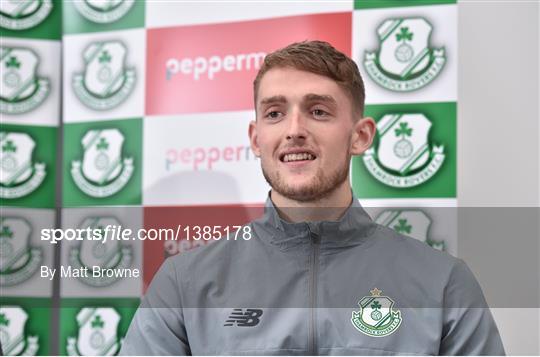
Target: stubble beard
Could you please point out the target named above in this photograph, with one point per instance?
(321, 185)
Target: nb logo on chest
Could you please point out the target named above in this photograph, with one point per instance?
(244, 317)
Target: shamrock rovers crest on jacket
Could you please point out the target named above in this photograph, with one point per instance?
(19, 176)
(108, 253)
(404, 157)
(22, 15)
(105, 81)
(376, 317)
(12, 332)
(103, 171)
(404, 61)
(98, 328)
(21, 90)
(18, 260)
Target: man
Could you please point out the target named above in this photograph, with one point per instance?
(318, 276)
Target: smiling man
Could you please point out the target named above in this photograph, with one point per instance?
(309, 124)
(318, 276)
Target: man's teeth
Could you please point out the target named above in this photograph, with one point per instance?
(298, 157)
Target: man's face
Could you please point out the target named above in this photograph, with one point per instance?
(303, 133)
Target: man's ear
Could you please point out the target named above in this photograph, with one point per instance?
(253, 139)
(363, 135)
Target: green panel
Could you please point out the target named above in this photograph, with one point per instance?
(48, 27)
(37, 325)
(44, 151)
(75, 22)
(442, 184)
(128, 194)
(373, 4)
(69, 327)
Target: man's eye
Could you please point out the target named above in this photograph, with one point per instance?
(273, 115)
(319, 113)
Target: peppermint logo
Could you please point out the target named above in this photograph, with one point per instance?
(21, 15)
(103, 11)
(403, 157)
(404, 61)
(18, 175)
(105, 82)
(21, 90)
(200, 67)
(12, 335)
(244, 318)
(377, 317)
(97, 333)
(200, 158)
(108, 254)
(18, 260)
(412, 222)
(103, 172)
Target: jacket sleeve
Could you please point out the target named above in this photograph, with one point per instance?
(469, 328)
(158, 325)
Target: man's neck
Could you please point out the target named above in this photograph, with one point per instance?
(330, 208)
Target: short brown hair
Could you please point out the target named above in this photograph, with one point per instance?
(321, 58)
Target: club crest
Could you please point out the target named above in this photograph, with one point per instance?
(103, 11)
(18, 260)
(109, 255)
(12, 335)
(105, 82)
(18, 175)
(97, 333)
(403, 157)
(412, 222)
(376, 316)
(404, 61)
(103, 172)
(21, 90)
(22, 15)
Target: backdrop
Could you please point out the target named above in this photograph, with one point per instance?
(135, 114)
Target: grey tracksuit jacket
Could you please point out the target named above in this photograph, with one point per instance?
(345, 287)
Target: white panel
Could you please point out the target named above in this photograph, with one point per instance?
(499, 135)
(443, 19)
(442, 214)
(174, 13)
(35, 285)
(133, 105)
(208, 151)
(498, 113)
(127, 218)
(48, 68)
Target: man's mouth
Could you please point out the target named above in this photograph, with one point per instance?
(298, 156)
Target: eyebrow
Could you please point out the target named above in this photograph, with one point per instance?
(310, 97)
(328, 99)
(275, 99)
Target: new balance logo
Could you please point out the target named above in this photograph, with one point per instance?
(244, 318)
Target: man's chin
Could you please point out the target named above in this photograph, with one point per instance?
(301, 189)
(300, 192)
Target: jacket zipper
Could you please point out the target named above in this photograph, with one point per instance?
(315, 240)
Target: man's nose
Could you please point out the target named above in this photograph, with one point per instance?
(297, 126)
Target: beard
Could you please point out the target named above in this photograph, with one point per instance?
(321, 185)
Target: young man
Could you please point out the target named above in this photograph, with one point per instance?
(318, 276)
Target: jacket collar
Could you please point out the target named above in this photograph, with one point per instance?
(352, 228)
